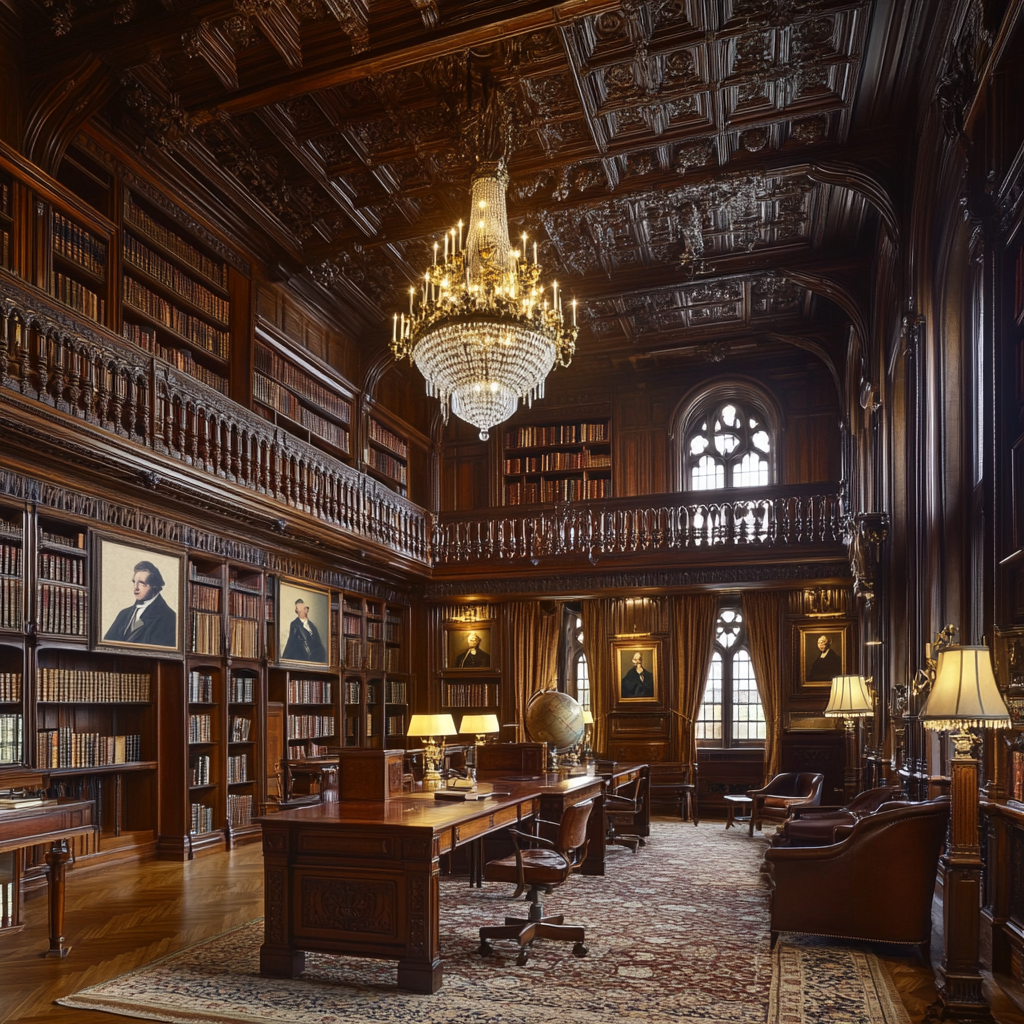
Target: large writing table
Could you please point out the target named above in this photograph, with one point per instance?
(52, 823)
(362, 878)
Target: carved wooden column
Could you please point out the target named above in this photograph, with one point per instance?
(57, 858)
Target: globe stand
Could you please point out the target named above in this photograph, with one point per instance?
(556, 719)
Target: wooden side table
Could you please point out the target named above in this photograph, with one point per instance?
(734, 803)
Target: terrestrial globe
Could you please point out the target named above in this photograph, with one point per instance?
(554, 718)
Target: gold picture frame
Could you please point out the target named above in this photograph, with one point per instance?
(636, 681)
(818, 663)
(303, 640)
(462, 654)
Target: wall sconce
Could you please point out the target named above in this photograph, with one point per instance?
(428, 728)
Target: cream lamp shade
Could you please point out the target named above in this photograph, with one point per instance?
(479, 725)
(588, 717)
(432, 725)
(965, 692)
(850, 698)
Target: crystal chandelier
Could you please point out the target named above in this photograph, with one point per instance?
(480, 328)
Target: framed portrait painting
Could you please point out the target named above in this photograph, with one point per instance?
(469, 647)
(637, 669)
(140, 590)
(303, 624)
(823, 649)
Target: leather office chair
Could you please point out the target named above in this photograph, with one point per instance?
(816, 826)
(877, 884)
(787, 790)
(676, 783)
(620, 811)
(540, 870)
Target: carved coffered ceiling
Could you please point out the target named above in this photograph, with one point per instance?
(663, 152)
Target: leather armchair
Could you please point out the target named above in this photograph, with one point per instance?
(876, 885)
(816, 826)
(786, 791)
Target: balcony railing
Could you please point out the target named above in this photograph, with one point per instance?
(754, 518)
(91, 374)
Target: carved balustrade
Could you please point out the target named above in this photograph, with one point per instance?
(94, 376)
(766, 518)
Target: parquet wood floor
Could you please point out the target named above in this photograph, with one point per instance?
(119, 918)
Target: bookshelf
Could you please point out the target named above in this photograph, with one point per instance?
(568, 461)
(12, 568)
(12, 707)
(246, 613)
(79, 259)
(479, 693)
(205, 607)
(303, 400)
(387, 455)
(244, 759)
(311, 710)
(6, 220)
(205, 702)
(175, 298)
(62, 595)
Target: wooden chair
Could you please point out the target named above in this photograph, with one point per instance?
(540, 870)
(675, 783)
(620, 811)
(786, 791)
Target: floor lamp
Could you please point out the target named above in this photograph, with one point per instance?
(851, 701)
(428, 728)
(964, 695)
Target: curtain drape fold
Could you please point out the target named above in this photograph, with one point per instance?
(533, 628)
(762, 611)
(595, 616)
(693, 620)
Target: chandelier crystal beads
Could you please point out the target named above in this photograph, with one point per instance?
(481, 328)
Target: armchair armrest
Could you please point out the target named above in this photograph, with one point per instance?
(529, 837)
(800, 810)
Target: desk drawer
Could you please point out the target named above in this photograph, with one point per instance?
(489, 823)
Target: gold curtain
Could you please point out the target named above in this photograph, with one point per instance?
(763, 613)
(595, 615)
(533, 639)
(693, 620)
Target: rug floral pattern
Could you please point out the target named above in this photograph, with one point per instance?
(678, 932)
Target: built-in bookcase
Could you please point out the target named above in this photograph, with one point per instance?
(12, 569)
(79, 259)
(205, 607)
(244, 758)
(387, 455)
(12, 705)
(568, 461)
(62, 571)
(311, 710)
(175, 298)
(6, 219)
(205, 750)
(246, 612)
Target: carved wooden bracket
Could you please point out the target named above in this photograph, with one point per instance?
(864, 535)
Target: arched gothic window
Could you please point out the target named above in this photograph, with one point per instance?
(731, 445)
(575, 671)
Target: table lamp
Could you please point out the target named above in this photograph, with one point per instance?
(429, 728)
(851, 701)
(964, 695)
(480, 726)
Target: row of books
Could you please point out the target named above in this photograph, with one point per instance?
(272, 394)
(199, 770)
(245, 638)
(198, 331)
(553, 461)
(200, 729)
(374, 629)
(139, 255)
(69, 291)
(10, 603)
(206, 633)
(388, 465)
(174, 243)
(351, 689)
(62, 610)
(10, 559)
(352, 625)
(183, 361)
(470, 695)
(240, 729)
(75, 541)
(205, 598)
(277, 368)
(309, 691)
(532, 492)
(5, 198)
(5, 248)
(238, 768)
(200, 687)
(380, 434)
(199, 577)
(62, 569)
(64, 748)
(239, 809)
(308, 727)
(78, 245)
(245, 605)
(373, 655)
(10, 739)
(202, 819)
(394, 725)
(67, 685)
(395, 692)
(241, 690)
(10, 687)
(559, 433)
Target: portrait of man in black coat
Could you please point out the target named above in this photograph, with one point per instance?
(149, 621)
(304, 643)
(826, 664)
(473, 656)
(638, 681)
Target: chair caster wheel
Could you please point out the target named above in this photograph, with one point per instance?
(579, 949)
(486, 949)
(522, 959)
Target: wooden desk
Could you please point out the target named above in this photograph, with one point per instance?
(362, 879)
(53, 822)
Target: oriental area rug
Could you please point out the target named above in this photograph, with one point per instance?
(677, 932)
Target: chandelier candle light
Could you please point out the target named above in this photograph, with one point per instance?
(481, 328)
